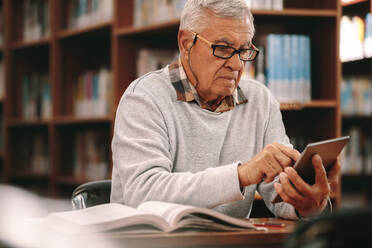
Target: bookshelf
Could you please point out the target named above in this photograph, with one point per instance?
(356, 179)
(68, 52)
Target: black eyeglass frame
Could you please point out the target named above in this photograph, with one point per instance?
(235, 51)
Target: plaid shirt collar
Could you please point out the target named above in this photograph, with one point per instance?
(187, 92)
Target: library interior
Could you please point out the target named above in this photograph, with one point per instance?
(65, 64)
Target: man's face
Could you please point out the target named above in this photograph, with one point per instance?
(216, 76)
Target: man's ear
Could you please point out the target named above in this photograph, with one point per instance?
(185, 40)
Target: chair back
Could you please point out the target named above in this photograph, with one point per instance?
(91, 194)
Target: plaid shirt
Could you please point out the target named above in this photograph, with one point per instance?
(187, 92)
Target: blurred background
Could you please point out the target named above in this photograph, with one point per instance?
(64, 65)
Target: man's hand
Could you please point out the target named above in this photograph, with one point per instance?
(267, 164)
(308, 199)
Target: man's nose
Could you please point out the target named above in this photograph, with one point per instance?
(234, 62)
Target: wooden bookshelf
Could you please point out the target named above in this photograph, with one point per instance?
(67, 52)
(357, 183)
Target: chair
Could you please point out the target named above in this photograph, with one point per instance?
(345, 228)
(91, 194)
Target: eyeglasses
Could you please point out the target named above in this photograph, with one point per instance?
(226, 52)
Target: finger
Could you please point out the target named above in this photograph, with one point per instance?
(288, 188)
(271, 167)
(283, 159)
(335, 170)
(320, 173)
(289, 152)
(279, 189)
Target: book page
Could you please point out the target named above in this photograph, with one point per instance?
(179, 216)
(102, 218)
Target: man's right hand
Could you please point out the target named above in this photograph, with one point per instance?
(267, 164)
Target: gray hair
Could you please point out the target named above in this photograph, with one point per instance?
(194, 16)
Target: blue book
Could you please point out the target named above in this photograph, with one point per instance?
(286, 68)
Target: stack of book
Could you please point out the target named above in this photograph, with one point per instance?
(82, 13)
(93, 93)
(36, 19)
(288, 67)
(356, 38)
(356, 96)
(36, 97)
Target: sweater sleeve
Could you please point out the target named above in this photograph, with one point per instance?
(143, 166)
(275, 132)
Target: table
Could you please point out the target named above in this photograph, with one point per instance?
(274, 237)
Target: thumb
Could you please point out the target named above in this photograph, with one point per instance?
(320, 173)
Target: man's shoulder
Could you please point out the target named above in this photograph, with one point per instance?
(253, 87)
(154, 83)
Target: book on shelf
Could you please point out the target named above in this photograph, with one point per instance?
(153, 59)
(265, 4)
(356, 96)
(36, 19)
(149, 217)
(368, 36)
(32, 153)
(355, 37)
(147, 12)
(36, 97)
(288, 67)
(90, 157)
(357, 157)
(256, 69)
(93, 93)
(83, 13)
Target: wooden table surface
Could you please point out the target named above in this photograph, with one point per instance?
(273, 237)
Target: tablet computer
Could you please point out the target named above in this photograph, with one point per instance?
(328, 150)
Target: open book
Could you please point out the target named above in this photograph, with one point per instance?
(149, 217)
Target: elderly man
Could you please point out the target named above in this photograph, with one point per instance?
(193, 133)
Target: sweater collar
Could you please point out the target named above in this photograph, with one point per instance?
(187, 92)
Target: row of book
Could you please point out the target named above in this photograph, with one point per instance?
(90, 154)
(36, 97)
(355, 37)
(148, 12)
(93, 96)
(356, 96)
(356, 157)
(153, 59)
(36, 19)
(266, 4)
(82, 13)
(32, 154)
(288, 67)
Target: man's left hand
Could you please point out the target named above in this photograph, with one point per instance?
(308, 199)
